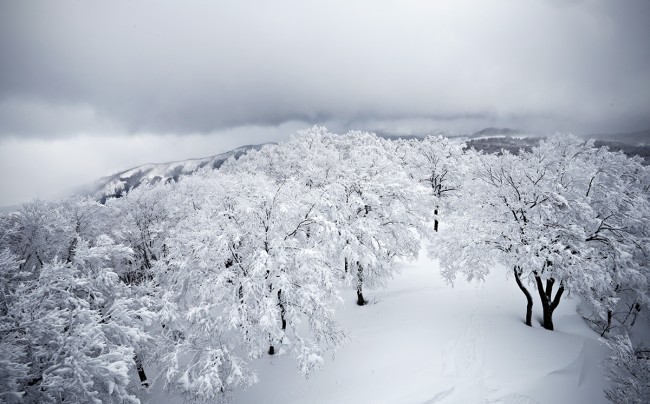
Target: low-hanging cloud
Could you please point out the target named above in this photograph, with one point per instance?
(52, 168)
(183, 68)
(91, 88)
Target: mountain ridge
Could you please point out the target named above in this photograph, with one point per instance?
(115, 185)
(489, 139)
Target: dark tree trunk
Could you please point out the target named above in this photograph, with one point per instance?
(549, 303)
(71, 250)
(282, 311)
(637, 308)
(140, 369)
(146, 264)
(438, 189)
(435, 221)
(529, 298)
(360, 300)
(608, 326)
(73, 244)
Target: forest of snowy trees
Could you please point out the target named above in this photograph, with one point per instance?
(186, 283)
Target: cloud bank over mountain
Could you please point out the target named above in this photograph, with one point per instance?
(179, 68)
(91, 78)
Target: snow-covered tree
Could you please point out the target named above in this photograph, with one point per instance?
(75, 327)
(538, 214)
(494, 221)
(244, 270)
(379, 211)
(37, 233)
(381, 214)
(628, 369)
(14, 368)
(141, 220)
(69, 320)
(437, 163)
(615, 218)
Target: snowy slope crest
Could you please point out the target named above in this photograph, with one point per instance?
(118, 184)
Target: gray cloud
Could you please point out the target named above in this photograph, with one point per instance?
(90, 88)
(170, 67)
(55, 168)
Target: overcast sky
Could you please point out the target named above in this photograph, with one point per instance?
(88, 88)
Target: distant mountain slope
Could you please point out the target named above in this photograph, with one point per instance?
(117, 184)
(494, 132)
(490, 140)
(483, 133)
(641, 138)
(495, 144)
(632, 144)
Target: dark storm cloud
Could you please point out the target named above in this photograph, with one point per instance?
(198, 67)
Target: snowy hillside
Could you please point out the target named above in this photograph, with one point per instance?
(421, 341)
(118, 184)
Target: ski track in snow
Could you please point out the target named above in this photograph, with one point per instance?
(464, 360)
(440, 396)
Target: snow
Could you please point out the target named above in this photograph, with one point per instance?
(422, 341)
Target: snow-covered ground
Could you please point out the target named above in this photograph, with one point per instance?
(422, 341)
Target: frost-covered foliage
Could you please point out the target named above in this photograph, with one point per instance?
(234, 263)
(435, 162)
(14, 369)
(379, 210)
(142, 220)
(565, 214)
(629, 370)
(244, 269)
(68, 325)
(616, 221)
(205, 275)
(253, 263)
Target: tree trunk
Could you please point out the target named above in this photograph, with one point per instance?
(140, 369)
(71, 250)
(283, 312)
(608, 326)
(529, 298)
(73, 244)
(360, 300)
(549, 304)
(438, 189)
(435, 221)
(637, 307)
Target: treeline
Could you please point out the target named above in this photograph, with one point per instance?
(515, 144)
(495, 145)
(196, 278)
(642, 151)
